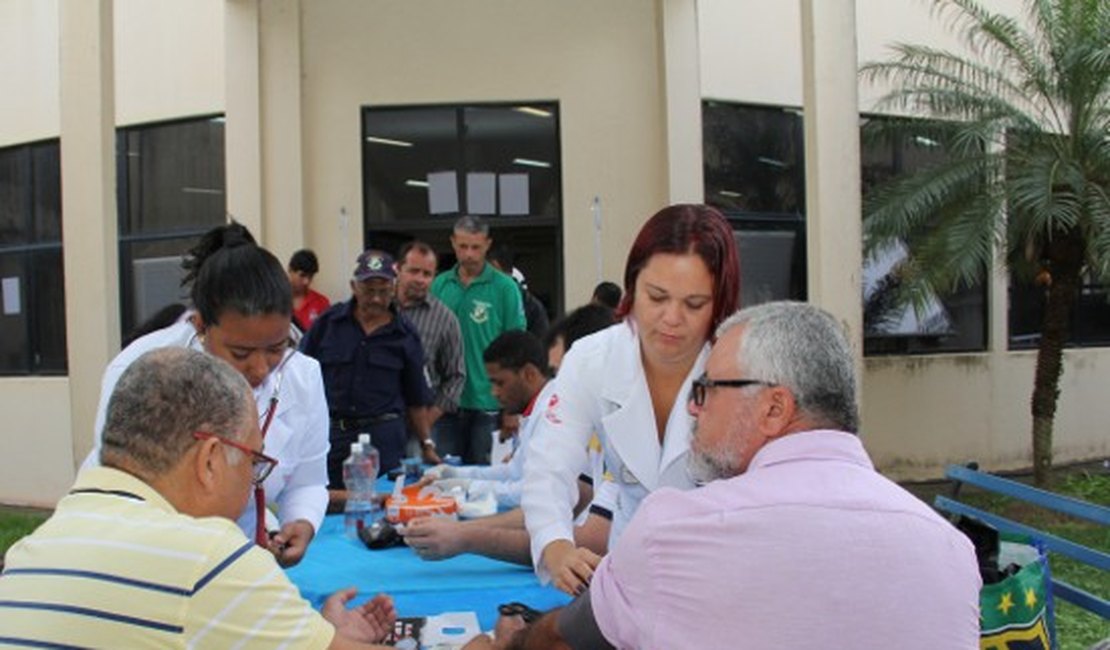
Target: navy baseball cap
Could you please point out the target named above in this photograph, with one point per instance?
(374, 264)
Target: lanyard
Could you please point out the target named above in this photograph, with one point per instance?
(261, 535)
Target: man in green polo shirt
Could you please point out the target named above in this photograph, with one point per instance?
(486, 303)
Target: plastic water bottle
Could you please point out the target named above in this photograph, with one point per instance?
(357, 510)
(372, 465)
(372, 458)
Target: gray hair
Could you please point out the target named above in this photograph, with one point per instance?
(471, 225)
(803, 348)
(162, 398)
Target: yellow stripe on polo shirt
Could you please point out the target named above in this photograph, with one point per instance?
(116, 566)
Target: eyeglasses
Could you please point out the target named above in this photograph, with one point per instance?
(261, 464)
(702, 385)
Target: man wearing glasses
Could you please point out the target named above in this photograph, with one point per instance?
(144, 551)
(794, 540)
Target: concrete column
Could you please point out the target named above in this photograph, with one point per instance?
(682, 90)
(831, 108)
(243, 130)
(90, 244)
(280, 106)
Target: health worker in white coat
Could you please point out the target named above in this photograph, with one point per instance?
(630, 383)
(243, 306)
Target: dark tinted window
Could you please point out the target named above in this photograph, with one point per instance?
(32, 284)
(171, 190)
(423, 163)
(1089, 321)
(953, 323)
(424, 166)
(755, 174)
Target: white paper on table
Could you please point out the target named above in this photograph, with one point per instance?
(10, 288)
(450, 630)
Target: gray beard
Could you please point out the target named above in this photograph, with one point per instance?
(704, 469)
(703, 466)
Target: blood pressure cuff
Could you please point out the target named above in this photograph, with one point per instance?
(578, 628)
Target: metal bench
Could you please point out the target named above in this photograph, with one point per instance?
(1067, 505)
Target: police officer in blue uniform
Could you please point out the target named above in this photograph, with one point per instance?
(373, 368)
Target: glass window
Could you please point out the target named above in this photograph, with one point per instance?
(422, 163)
(953, 323)
(424, 166)
(32, 285)
(171, 189)
(1089, 321)
(754, 171)
(754, 158)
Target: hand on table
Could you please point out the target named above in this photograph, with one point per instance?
(429, 455)
(436, 473)
(290, 543)
(507, 627)
(369, 622)
(570, 566)
(435, 538)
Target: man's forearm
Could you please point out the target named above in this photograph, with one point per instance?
(419, 416)
(505, 544)
(434, 413)
(512, 519)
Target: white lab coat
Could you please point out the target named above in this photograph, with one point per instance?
(601, 386)
(506, 480)
(297, 438)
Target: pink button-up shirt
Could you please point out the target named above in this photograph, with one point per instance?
(810, 548)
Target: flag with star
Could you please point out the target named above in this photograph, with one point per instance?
(1016, 613)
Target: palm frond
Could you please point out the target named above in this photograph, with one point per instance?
(948, 86)
(905, 205)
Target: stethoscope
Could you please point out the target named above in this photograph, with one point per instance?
(261, 534)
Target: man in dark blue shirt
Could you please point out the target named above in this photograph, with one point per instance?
(373, 369)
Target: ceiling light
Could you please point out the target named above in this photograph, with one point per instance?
(527, 162)
(730, 193)
(392, 143)
(925, 142)
(772, 162)
(532, 110)
(412, 182)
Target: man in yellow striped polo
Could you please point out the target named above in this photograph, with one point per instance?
(144, 550)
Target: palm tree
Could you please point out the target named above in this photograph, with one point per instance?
(1026, 115)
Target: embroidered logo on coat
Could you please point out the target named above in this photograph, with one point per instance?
(549, 414)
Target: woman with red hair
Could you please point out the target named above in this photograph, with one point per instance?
(629, 383)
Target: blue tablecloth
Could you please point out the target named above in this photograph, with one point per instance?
(419, 588)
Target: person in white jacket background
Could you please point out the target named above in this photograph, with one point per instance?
(242, 306)
(630, 384)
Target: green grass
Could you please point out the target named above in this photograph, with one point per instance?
(1076, 628)
(17, 522)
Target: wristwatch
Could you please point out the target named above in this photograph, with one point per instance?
(428, 442)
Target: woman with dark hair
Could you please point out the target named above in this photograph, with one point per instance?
(242, 310)
(629, 383)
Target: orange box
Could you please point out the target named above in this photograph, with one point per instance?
(414, 506)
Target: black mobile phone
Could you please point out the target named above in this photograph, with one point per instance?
(521, 610)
